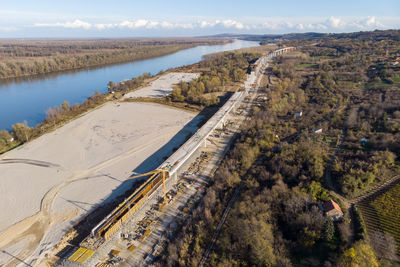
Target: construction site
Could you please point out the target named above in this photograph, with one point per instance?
(135, 231)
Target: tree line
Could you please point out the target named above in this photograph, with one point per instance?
(22, 58)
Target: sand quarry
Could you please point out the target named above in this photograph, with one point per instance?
(48, 184)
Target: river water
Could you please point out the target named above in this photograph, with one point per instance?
(28, 98)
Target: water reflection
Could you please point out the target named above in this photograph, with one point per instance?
(27, 98)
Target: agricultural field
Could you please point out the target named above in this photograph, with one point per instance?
(382, 214)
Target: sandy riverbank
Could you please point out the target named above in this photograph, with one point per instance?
(50, 182)
(163, 85)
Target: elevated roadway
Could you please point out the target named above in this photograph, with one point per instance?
(178, 159)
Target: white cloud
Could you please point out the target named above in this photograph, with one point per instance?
(232, 24)
(369, 23)
(103, 26)
(204, 24)
(229, 23)
(330, 24)
(268, 25)
(320, 26)
(78, 24)
(148, 24)
(372, 22)
(187, 26)
(152, 24)
(8, 28)
(74, 25)
(167, 25)
(133, 24)
(335, 22)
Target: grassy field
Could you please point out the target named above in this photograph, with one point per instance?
(382, 213)
(384, 83)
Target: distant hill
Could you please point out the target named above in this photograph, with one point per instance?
(313, 36)
(264, 37)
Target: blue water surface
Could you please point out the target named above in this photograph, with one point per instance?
(27, 99)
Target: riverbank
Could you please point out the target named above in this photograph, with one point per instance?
(71, 170)
(53, 180)
(58, 116)
(33, 57)
(28, 98)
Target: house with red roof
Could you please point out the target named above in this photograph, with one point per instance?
(332, 209)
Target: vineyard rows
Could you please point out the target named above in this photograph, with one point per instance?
(381, 213)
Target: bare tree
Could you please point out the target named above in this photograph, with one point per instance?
(384, 245)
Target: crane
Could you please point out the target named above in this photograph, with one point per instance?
(164, 171)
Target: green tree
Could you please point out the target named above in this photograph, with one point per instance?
(360, 255)
(308, 237)
(200, 87)
(5, 139)
(329, 230)
(214, 84)
(6, 136)
(22, 131)
(238, 75)
(317, 191)
(177, 95)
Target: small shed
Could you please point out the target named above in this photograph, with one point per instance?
(318, 131)
(299, 114)
(332, 209)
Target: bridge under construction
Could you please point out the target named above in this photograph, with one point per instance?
(166, 174)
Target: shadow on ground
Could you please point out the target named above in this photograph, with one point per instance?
(126, 188)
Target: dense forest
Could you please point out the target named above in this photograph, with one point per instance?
(284, 168)
(30, 57)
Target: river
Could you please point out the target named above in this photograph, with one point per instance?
(28, 98)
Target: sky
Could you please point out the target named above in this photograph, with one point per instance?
(169, 18)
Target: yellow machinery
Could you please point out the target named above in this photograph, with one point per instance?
(162, 172)
(113, 222)
(81, 255)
